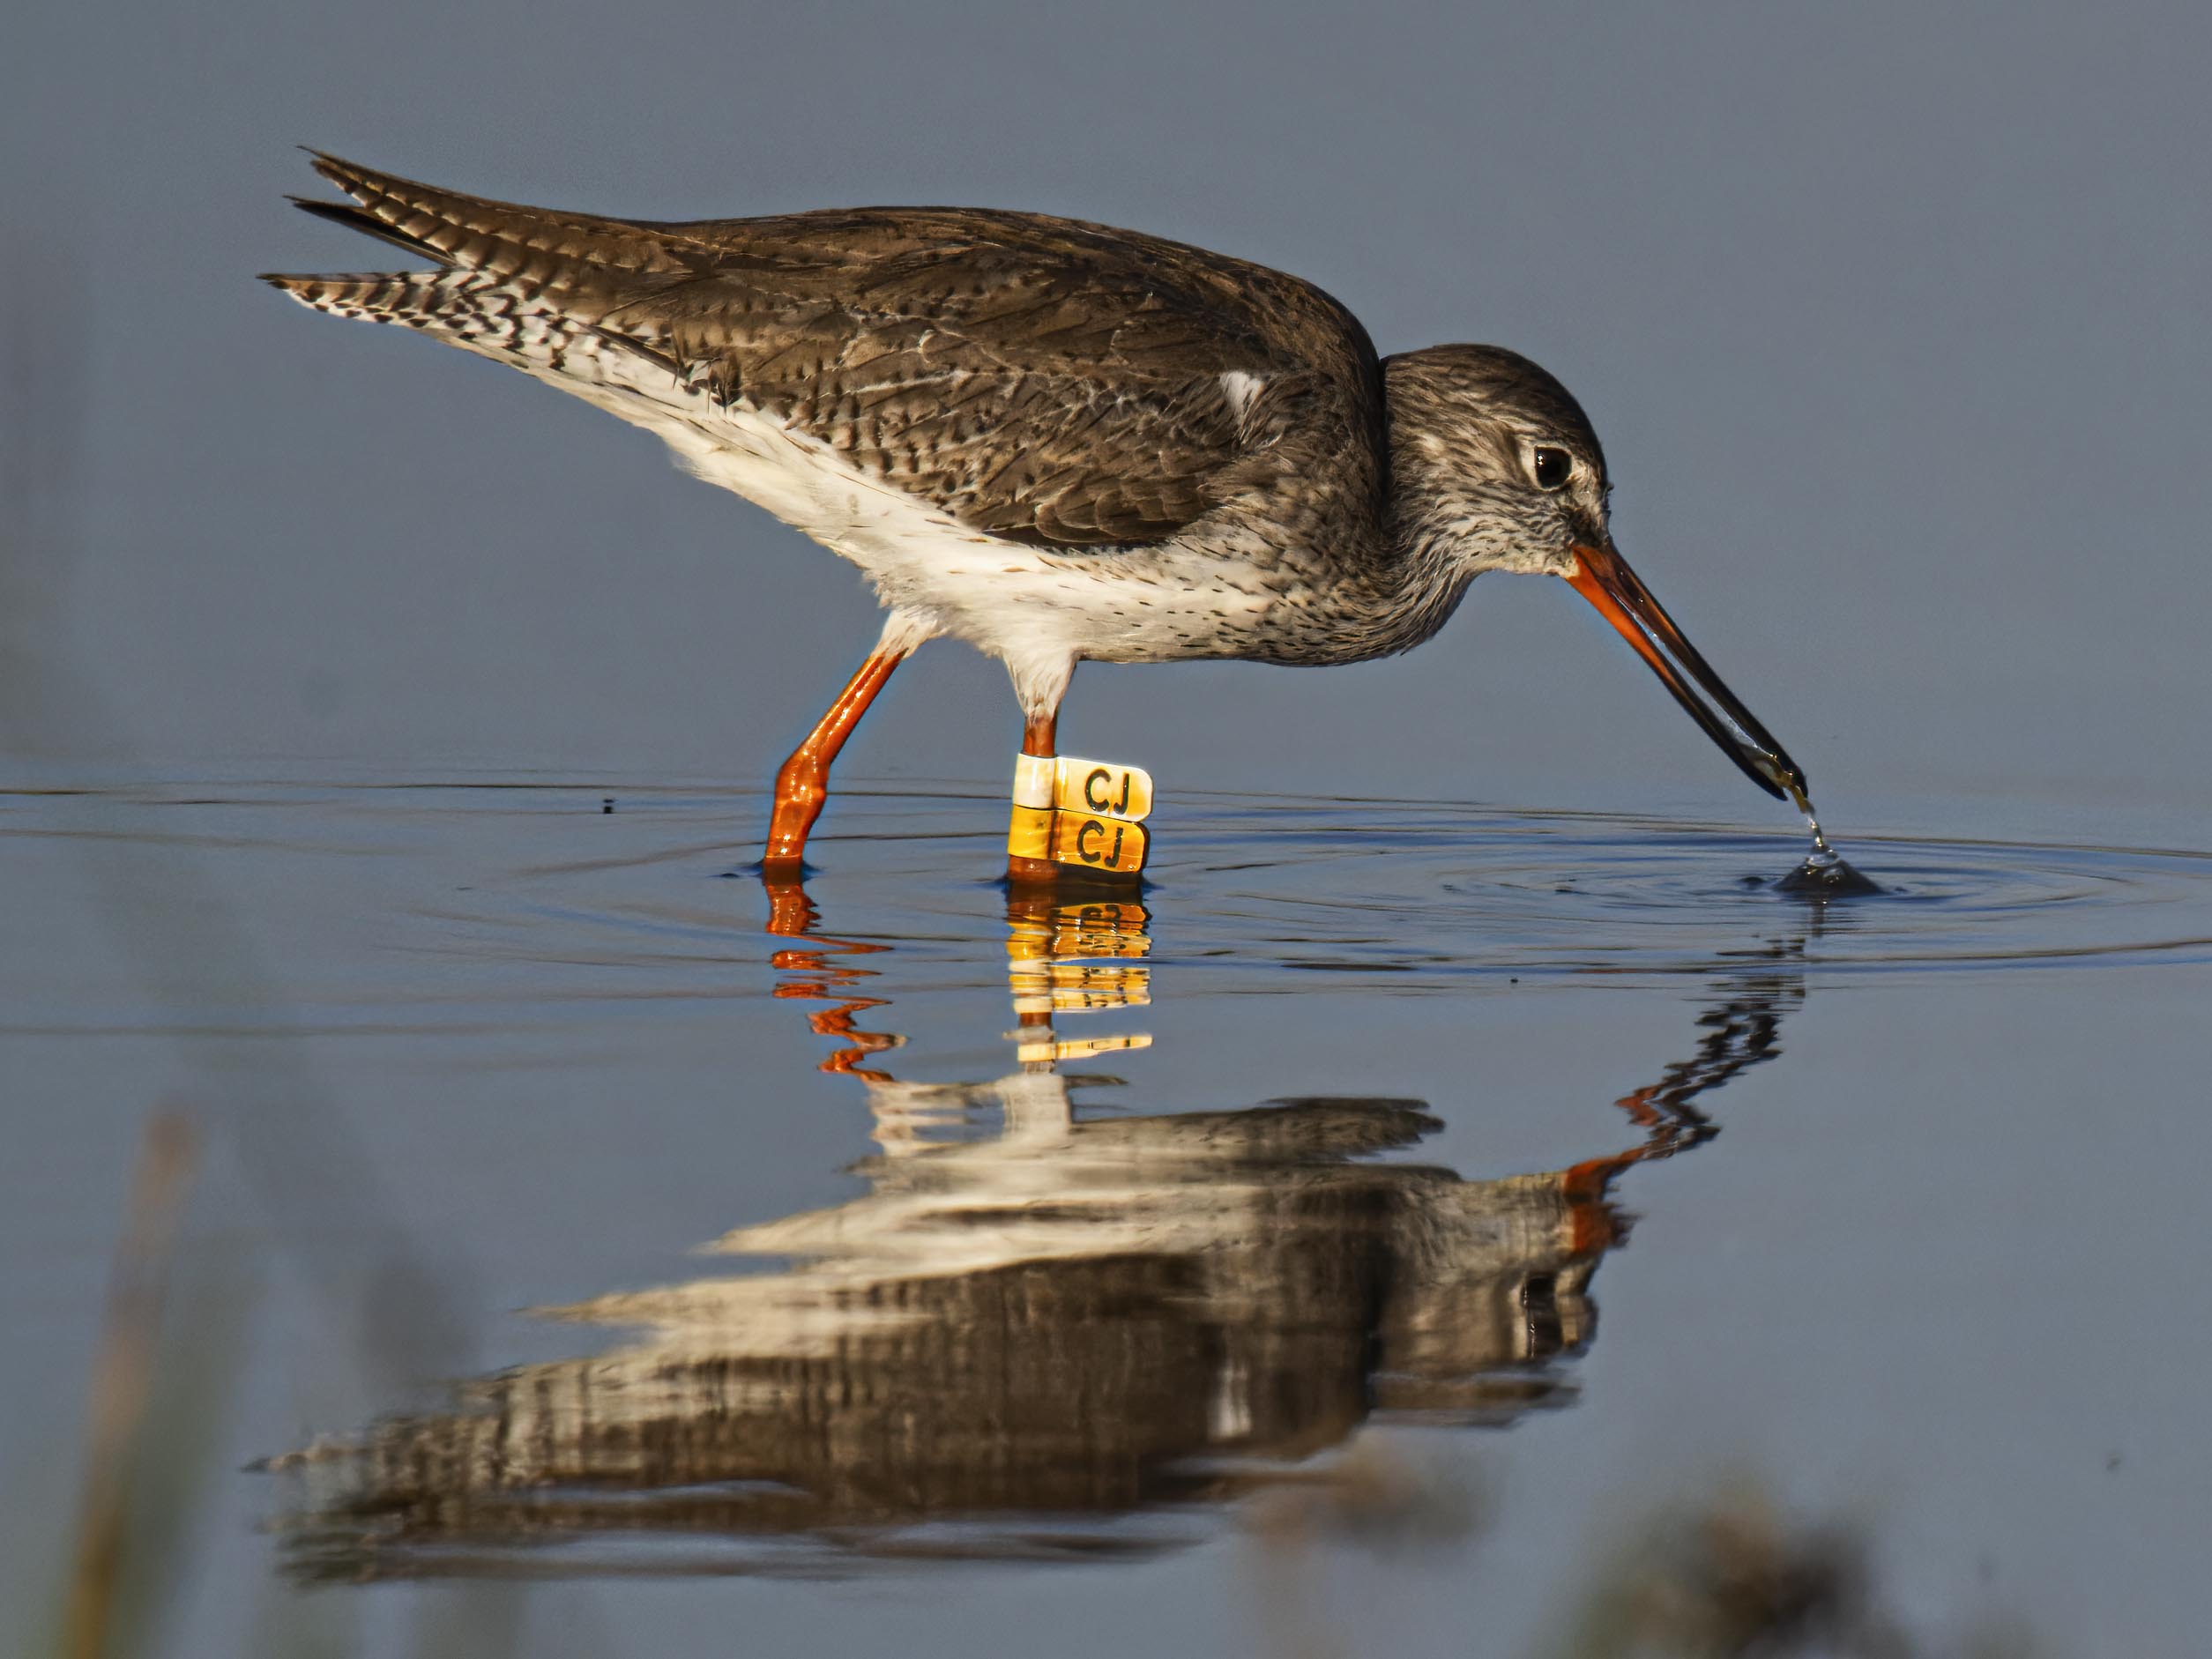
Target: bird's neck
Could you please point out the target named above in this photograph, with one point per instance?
(1411, 575)
(1429, 572)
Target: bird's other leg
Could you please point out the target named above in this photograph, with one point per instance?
(802, 782)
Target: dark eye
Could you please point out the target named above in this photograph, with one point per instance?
(1553, 467)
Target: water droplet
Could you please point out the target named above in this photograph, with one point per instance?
(1824, 874)
(1804, 806)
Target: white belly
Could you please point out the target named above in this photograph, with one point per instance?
(1038, 611)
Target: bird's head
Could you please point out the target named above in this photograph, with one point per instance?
(1494, 460)
(1495, 467)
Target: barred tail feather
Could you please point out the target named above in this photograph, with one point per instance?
(419, 297)
(531, 245)
(354, 217)
(474, 310)
(524, 285)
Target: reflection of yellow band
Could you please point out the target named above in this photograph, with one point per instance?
(1071, 987)
(1089, 927)
(1078, 1048)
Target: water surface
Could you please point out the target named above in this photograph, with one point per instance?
(586, 1233)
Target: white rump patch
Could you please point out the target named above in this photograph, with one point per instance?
(1241, 390)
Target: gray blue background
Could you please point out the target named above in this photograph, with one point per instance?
(1893, 322)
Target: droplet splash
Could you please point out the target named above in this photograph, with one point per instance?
(1824, 874)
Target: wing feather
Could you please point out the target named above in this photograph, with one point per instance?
(1036, 378)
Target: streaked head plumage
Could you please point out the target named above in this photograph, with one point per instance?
(1492, 454)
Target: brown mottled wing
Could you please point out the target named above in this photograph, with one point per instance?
(1037, 378)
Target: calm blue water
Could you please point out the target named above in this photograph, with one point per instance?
(1339, 1245)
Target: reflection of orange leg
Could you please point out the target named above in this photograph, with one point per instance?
(803, 782)
(832, 982)
(1640, 1111)
(791, 913)
(1593, 1225)
(1039, 737)
(838, 1021)
(1586, 1185)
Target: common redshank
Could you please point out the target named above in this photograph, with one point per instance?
(1052, 439)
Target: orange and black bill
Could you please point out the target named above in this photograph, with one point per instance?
(1602, 578)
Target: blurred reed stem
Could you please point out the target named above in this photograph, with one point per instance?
(122, 1376)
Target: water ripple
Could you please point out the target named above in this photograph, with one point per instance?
(1477, 890)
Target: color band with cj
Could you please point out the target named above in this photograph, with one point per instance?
(1084, 813)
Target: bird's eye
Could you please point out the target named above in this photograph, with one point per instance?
(1553, 468)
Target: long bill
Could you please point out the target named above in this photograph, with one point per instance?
(1602, 578)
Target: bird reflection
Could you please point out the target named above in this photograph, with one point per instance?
(1041, 1332)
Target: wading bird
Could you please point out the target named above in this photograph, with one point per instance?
(1052, 439)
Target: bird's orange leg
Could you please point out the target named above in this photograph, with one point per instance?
(802, 784)
(1039, 736)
